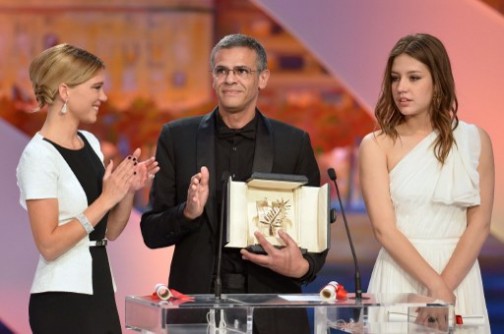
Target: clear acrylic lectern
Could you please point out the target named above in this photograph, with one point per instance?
(234, 313)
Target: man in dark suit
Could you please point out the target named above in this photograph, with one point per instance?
(194, 153)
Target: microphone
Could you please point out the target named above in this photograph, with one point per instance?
(358, 290)
(218, 280)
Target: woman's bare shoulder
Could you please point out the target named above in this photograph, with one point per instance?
(376, 139)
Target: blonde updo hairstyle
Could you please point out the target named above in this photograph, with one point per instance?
(59, 64)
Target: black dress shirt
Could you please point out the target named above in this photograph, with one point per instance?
(234, 155)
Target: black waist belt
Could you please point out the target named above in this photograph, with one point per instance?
(98, 243)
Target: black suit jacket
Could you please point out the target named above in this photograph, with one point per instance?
(184, 146)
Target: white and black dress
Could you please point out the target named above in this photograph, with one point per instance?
(67, 312)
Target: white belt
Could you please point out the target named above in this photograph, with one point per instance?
(98, 243)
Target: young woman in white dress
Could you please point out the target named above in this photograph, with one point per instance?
(428, 182)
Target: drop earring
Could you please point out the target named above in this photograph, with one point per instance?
(64, 108)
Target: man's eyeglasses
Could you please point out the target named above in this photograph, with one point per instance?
(242, 72)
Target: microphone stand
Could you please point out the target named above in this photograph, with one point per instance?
(219, 317)
(218, 280)
(357, 278)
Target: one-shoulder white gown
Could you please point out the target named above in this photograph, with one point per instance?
(431, 204)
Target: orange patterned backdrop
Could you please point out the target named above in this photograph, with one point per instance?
(156, 54)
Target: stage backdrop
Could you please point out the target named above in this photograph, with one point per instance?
(156, 50)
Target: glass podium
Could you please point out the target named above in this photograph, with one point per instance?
(234, 313)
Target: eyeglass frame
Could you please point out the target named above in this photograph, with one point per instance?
(235, 70)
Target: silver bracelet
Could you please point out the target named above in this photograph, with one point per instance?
(85, 222)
